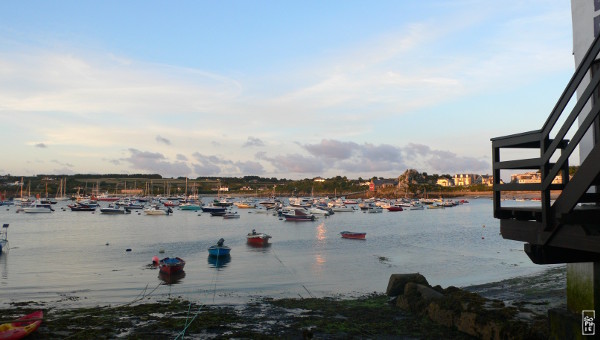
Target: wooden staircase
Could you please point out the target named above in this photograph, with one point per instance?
(566, 229)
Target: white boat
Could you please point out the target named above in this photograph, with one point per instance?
(342, 208)
(155, 210)
(320, 211)
(37, 207)
(374, 209)
(416, 206)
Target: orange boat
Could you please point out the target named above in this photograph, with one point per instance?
(353, 235)
(22, 327)
(258, 238)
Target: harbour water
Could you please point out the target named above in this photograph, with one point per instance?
(71, 259)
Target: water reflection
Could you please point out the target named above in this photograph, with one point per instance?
(171, 279)
(321, 232)
(219, 261)
(259, 248)
(319, 264)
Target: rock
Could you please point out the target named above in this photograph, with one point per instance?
(397, 282)
(440, 316)
(428, 293)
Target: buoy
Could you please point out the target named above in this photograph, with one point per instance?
(128, 249)
(155, 259)
(106, 243)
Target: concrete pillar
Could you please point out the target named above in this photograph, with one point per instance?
(583, 286)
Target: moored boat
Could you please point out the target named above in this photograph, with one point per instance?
(298, 215)
(110, 210)
(231, 215)
(219, 249)
(353, 235)
(82, 207)
(22, 327)
(257, 238)
(171, 265)
(37, 207)
(155, 210)
(212, 208)
(394, 208)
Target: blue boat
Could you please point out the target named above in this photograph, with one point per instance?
(219, 249)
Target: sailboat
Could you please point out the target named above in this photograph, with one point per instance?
(62, 189)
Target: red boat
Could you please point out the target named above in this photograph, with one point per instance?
(353, 235)
(22, 327)
(394, 208)
(257, 238)
(171, 265)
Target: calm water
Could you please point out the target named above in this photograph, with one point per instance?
(63, 258)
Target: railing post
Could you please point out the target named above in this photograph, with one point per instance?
(496, 180)
(545, 192)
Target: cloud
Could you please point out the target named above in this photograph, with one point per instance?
(163, 140)
(252, 141)
(295, 163)
(41, 145)
(353, 158)
(208, 165)
(69, 165)
(181, 157)
(154, 162)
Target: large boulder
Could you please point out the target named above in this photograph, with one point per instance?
(397, 282)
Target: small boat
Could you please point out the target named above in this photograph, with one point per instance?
(298, 215)
(155, 210)
(22, 327)
(212, 208)
(190, 206)
(257, 238)
(219, 249)
(110, 210)
(416, 207)
(82, 207)
(245, 205)
(394, 208)
(37, 207)
(353, 235)
(342, 208)
(374, 209)
(4, 238)
(171, 265)
(231, 215)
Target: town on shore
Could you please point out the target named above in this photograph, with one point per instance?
(411, 183)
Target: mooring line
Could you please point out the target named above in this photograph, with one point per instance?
(283, 264)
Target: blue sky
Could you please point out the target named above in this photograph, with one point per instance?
(287, 89)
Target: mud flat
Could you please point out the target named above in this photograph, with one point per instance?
(524, 299)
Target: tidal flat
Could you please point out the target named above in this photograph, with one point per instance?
(367, 317)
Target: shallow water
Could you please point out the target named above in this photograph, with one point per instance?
(79, 258)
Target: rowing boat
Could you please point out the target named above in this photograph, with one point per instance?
(22, 327)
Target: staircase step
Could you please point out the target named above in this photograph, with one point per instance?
(520, 213)
(582, 215)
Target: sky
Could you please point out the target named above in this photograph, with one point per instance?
(286, 89)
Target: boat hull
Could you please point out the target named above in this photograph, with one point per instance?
(23, 327)
(258, 239)
(171, 265)
(219, 251)
(353, 235)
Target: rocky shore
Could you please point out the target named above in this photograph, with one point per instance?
(516, 307)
